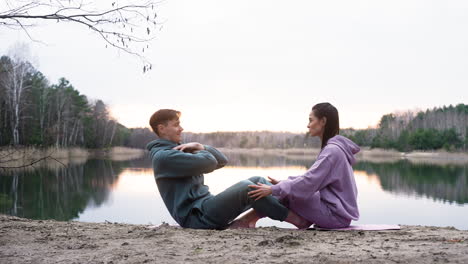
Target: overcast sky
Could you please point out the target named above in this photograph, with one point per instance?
(262, 65)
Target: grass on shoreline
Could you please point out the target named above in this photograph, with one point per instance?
(124, 153)
(366, 154)
(17, 157)
(51, 157)
(20, 156)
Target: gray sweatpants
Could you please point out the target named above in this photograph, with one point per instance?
(219, 210)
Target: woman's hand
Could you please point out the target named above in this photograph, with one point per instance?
(262, 190)
(273, 180)
(190, 147)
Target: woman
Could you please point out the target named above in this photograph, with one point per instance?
(326, 195)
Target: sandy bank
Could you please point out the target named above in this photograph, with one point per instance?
(32, 241)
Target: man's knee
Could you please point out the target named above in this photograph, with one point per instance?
(244, 185)
(257, 179)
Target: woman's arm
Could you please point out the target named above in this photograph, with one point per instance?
(313, 180)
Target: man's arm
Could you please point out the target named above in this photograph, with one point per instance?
(220, 158)
(180, 164)
(193, 147)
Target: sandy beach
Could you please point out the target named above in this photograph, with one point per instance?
(46, 241)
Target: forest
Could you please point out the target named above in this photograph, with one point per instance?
(443, 127)
(438, 128)
(36, 112)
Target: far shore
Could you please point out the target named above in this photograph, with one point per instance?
(13, 157)
(366, 154)
(47, 241)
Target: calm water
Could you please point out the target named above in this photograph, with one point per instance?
(103, 190)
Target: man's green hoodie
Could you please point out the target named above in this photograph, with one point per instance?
(179, 176)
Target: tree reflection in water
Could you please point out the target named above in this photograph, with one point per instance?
(65, 192)
(448, 183)
(61, 193)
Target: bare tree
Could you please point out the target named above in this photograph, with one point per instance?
(126, 25)
(14, 83)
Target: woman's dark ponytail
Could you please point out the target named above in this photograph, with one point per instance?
(332, 126)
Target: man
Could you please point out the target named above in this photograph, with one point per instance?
(178, 170)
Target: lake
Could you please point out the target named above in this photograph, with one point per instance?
(125, 191)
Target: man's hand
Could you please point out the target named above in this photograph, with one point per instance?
(262, 190)
(190, 147)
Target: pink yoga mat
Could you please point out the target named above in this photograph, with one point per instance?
(362, 227)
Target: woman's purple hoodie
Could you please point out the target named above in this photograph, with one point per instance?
(329, 182)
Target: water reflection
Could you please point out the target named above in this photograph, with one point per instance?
(447, 183)
(125, 191)
(60, 193)
(264, 161)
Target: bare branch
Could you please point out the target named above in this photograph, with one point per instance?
(128, 28)
(15, 154)
(25, 165)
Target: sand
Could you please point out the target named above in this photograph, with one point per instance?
(40, 241)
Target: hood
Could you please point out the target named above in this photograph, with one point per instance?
(160, 144)
(349, 147)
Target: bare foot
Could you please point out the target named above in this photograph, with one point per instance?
(304, 225)
(297, 220)
(249, 220)
(239, 224)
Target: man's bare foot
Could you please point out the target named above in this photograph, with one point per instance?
(239, 224)
(249, 220)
